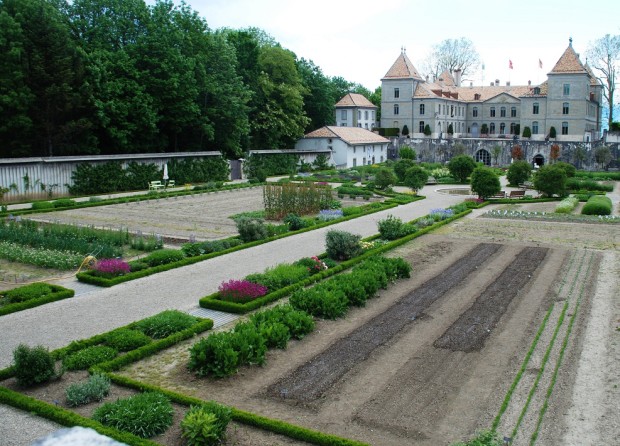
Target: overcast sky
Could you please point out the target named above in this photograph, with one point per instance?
(359, 40)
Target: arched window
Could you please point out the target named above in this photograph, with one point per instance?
(535, 128)
(502, 128)
(483, 156)
(492, 128)
(513, 112)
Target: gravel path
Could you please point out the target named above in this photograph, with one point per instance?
(97, 311)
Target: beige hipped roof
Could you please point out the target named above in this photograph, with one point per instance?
(350, 135)
(355, 100)
(403, 69)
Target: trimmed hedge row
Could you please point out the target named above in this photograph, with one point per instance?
(59, 293)
(597, 205)
(105, 282)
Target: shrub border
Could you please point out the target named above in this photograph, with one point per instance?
(59, 293)
(104, 282)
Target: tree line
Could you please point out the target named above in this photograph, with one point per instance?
(118, 76)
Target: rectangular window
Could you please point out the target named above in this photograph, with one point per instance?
(421, 127)
(502, 112)
(366, 115)
(565, 128)
(396, 109)
(565, 108)
(359, 114)
(513, 112)
(566, 89)
(492, 112)
(396, 93)
(535, 128)
(421, 109)
(492, 128)
(354, 162)
(502, 129)
(343, 115)
(535, 108)
(475, 112)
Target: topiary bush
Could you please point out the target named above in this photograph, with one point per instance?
(145, 415)
(33, 365)
(597, 205)
(415, 178)
(165, 323)
(95, 389)
(342, 245)
(205, 424)
(485, 182)
(124, 339)
(518, 172)
(83, 359)
(392, 228)
(163, 257)
(567, 205)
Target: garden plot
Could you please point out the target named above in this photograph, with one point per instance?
(408, 378)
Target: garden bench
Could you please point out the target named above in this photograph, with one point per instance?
(527, 185)
(517, 194)
(155, 185)
(170, 183)
(501, 194)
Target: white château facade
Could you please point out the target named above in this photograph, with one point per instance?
(569, 100)
(354, 110)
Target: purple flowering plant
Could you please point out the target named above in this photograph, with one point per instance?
(241, 290)
(112, 267)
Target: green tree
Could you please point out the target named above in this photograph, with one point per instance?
(318, 95)
(450, 129)
(518, 172)
(415, 178)
(552, 132)
(602, 155)
(450, 55)
(461, 167)
(550, 180)
(384, 178)
(569, 169)
(485, 182)
(427, 130)
(527, 132)
(400, 168)
(407, 153)
(496, 151)
(375, 98)
(405, 130)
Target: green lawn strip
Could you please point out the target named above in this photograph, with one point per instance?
(66, 417)
(248, 418)
(558, 362)
(127, 199)
(105, 282)
(59, 294)
(213, 302)
(545, 359)
(526, 360)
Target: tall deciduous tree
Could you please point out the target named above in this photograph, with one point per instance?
(452, 54)
(319, 97)
(604, 57)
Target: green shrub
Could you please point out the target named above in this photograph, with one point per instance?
(145, 415)
(27, 292)
(587, 185)
(299, 323)
(392, 228)
(518, 172)
(597, 205)
(42, 205)
(63, 203)
(124, 339)
(248, 342)
(165, 323)
(568, 168)
(33, 365)
(198, 428)
(354, 291)
(275, 334)
(279, 276)
(207, 247)
(83, 359)
(550, 180)
(415, 178)
(294, 222)
(95, 389)
(341, 245)
(320, 302)
(214, 356)
(485, 182)
(384, 178)
(461, 167)
(567, 205)
(163, 257)
(251, 229)
(401, 166)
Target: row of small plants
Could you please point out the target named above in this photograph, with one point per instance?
(252, 231)
(221, 354)
(551, 216)
(30, 296)
(45, 258)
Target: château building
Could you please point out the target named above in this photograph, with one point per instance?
(354, 110)
(569, 100)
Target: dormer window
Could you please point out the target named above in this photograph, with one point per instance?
(536, 90)
(477, 97)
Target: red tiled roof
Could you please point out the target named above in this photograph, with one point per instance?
(350, 135)
(569, 63)
(467, 94)
(403, 69)
(355, 100)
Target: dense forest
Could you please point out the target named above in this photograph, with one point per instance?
(118, 76)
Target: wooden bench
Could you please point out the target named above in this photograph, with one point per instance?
(156, 185)
(170, 183)
(517, 194)
(501, 194)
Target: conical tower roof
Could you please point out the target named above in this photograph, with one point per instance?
(403, 69)
(569, 62)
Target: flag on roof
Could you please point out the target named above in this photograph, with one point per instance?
(510, 64)
(540, 63)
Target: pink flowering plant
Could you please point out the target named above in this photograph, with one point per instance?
(317, 266)
(241, 290)
(111, 267)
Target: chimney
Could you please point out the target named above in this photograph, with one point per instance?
(471, 85)
(507, 83)
(497, 82)
(492, 84)
(457, 77)
(529, 83)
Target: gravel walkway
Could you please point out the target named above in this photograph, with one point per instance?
(97, 310)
